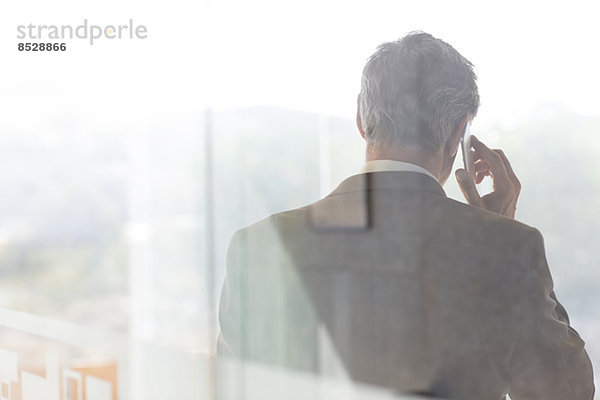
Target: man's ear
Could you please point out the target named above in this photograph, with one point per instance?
(358, 119)
(454, 140)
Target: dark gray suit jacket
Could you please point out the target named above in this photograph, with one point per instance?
(414, 291)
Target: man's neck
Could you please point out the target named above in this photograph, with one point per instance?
(431, 163)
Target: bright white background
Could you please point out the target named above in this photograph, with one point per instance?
(304, 55)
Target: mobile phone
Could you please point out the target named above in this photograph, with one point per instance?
(465, 146)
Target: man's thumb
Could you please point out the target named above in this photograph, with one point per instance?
(467, 186)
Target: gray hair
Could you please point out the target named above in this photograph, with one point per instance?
(415, 91)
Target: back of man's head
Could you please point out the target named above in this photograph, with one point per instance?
(415, 92)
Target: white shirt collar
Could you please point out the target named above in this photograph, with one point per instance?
(393, 165)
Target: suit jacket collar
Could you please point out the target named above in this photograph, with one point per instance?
(389, 180)
(352, 211)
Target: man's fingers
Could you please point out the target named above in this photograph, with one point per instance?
(513, 177)
(467, 186)
(479, 176)
(492, 163)
(481, 169)
(493, 159)
(481, 166)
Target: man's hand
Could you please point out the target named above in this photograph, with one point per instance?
(493, 163)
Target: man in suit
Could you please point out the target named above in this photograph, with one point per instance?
(391, 283)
